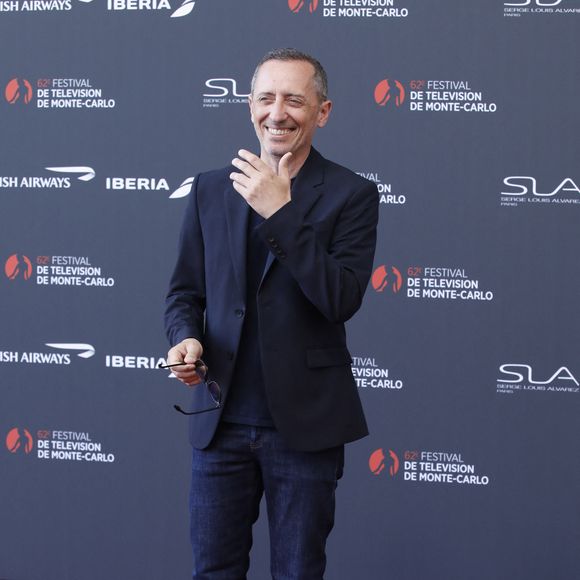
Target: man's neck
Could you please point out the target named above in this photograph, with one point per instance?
(296, 162)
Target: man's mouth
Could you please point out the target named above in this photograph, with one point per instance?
(278, 132)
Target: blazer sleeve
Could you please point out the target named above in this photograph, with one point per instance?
(185, 301)
(333, 278)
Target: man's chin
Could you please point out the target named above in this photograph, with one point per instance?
(278, 152)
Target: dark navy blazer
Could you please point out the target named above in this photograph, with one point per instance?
(321, 248)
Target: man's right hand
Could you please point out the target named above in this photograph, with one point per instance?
(187, 351)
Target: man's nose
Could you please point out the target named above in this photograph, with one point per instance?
(278, 111)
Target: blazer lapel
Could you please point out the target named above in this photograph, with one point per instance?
(237, 216)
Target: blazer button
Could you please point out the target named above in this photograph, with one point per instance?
(239, 313)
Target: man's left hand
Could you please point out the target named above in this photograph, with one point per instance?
(265, 190)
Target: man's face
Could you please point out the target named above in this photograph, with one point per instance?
(286, 109)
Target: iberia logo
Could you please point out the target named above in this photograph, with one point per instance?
(381, 279)
(18, 89)
(19, 440)
(297, 5)
(386, 90)
(377, 462)
(18, 265)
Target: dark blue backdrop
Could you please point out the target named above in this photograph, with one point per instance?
(465, 351)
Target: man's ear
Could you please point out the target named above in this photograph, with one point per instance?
(324, 112)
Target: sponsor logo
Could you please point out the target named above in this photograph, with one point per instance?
(183, 10)
(519, 190)
(350, 8)
(378, 462)
(137, 362)
(19, 440)
(381, 279)
(149, 184)
(223, 91)
(431, 96)
(85, 173)
(59, 93)
(368, 374)
(297, 5)
(59, 445)
(519, 378)
(177, 10)
(63, 177)
(425, 467)
(58, 271)
(386, 193)
(389, 91)
(539, 8)
(430, 283)
(86, 350)
(51, 357)
(18, 91)
(18, 266)
(80, 172)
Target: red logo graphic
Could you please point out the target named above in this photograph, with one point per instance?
(18, 265)
(18, 89)
(377, 462)
(19, 440)
(385, 90)
(297, 5)
(380, 279)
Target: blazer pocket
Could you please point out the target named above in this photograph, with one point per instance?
(327, 357)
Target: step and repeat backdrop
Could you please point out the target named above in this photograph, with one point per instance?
(465, 352)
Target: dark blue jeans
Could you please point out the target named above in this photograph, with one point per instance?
(228, 480)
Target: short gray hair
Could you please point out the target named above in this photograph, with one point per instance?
(291, 54)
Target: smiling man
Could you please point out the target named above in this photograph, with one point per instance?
(274, 257)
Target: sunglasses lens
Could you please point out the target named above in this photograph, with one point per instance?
(201, 370)
(215, 392)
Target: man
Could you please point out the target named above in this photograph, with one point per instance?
(274, 256)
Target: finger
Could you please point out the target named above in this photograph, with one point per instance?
(283, 169)
(185, 372)
(240, 178)
(245, 167)
(192, 382)
(190, 356)
(252, 159)
(243, 191)
(174, 356)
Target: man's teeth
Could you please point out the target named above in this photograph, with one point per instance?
(279, 131)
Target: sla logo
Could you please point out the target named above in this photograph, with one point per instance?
(225, 92)
(524, 184)
(18, 265)
(385, 89)
(380, 279)
(18, 89)
(19, 440)
(377, 462)
(297, 5)
(524, 373)
(223, 88)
